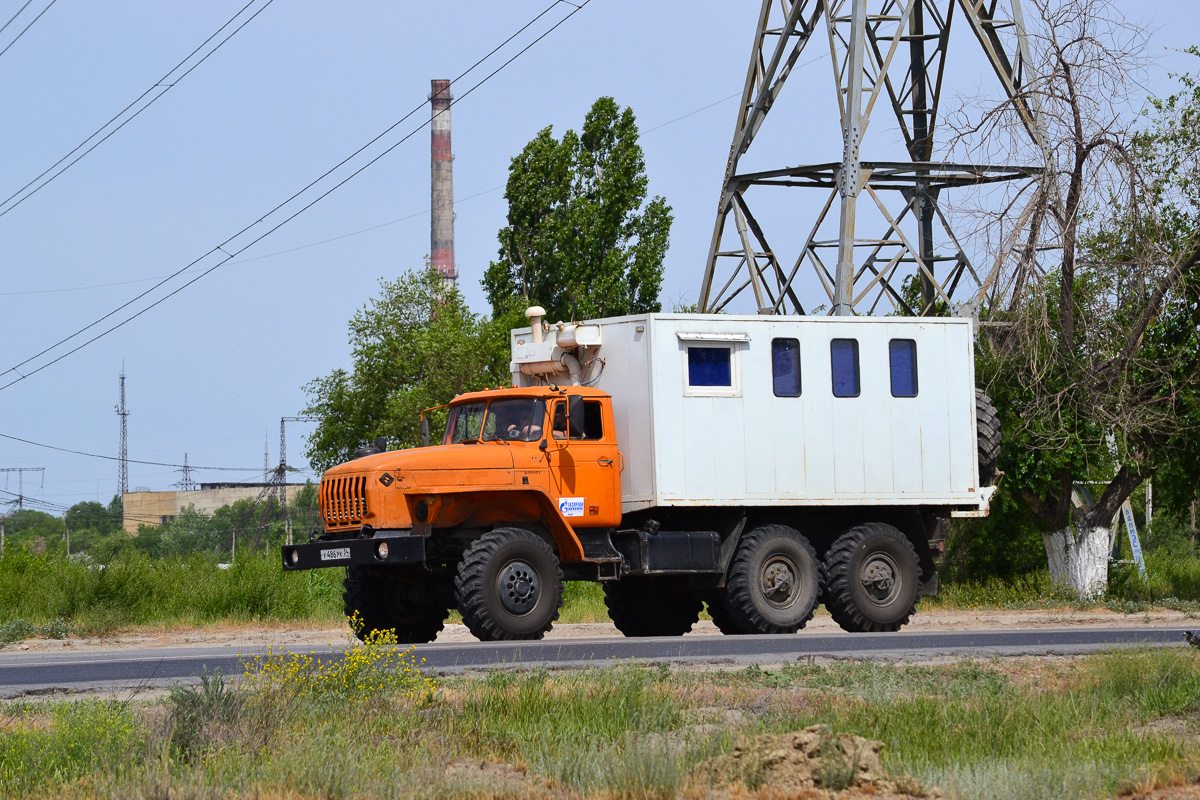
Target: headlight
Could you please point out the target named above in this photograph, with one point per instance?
(421, 511)
(381, 551)
(294, 557)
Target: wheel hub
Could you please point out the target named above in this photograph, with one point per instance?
(778, 581)
(518, 587)
(878, 577)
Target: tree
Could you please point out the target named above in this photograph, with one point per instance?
(415, 346)
(1091, 351)
(581, 239)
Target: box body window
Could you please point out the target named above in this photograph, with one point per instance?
(785, 367)
(844, 361)
(902, 356)
(710, 366)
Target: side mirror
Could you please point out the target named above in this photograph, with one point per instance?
(544, 445)
(424, 431)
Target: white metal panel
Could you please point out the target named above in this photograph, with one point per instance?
(964, 452)
(935, 417)
(817, 424)
(878, 441)
(905, 415)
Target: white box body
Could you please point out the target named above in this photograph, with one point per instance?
(741, 445)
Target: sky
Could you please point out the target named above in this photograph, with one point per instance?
(300, 87)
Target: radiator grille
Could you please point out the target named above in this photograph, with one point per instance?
(343, 500)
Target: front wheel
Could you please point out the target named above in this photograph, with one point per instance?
(509, 586)
(873, 579)
(773, 583)
(413, 606)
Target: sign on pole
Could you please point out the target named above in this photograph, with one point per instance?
(1135, 546)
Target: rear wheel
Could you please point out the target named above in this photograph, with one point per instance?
(651, 606)
(873, 579)
(773, 583)
(509, 586)
(414, 606)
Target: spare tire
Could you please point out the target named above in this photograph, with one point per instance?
(987, 424)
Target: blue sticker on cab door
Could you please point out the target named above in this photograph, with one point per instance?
(571, 506)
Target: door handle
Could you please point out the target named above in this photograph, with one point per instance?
(605, 462)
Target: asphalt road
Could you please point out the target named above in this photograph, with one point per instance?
(26, 673)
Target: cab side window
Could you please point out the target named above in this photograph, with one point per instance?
(591, 427)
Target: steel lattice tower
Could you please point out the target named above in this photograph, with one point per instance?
(123, 469)
(892, 51)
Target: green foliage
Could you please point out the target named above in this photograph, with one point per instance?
(82, 738)
(203, 713)
(415, 346)
(581, 239)
(35, 529)
(135, 589)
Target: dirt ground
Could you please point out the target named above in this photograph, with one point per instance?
(293, 635)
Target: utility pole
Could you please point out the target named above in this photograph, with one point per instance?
(21, 481)
(123, 413)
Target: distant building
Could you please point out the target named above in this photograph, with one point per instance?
(155, 508)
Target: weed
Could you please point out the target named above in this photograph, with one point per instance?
(204, 715)
(837, 767)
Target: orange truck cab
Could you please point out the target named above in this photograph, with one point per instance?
(534, 471)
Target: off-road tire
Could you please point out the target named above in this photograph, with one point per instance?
(773, 582)
(987, 423)
(651, 606)
(414, 607)
(874, 579)
(509, 586)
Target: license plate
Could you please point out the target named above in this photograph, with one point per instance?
(335, 554)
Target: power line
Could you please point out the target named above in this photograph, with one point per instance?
(13, 18)
(221, 248)
(27, 27)
(349, 234)
(340, 236)
(165, 83)
(116, 458)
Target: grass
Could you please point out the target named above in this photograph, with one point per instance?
(1095, 727)
(43, 590)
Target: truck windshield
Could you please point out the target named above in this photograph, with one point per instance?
(516, 420)
(466, 421)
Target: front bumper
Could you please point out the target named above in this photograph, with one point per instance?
(340, 553)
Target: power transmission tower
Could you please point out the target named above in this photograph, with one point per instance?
(186, 483)
(20, 501)
(123, 469)
(283, 469)
(890, 50)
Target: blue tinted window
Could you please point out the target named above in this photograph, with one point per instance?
(902, 354)
(844, 357)
(709, 366)
(785, 367)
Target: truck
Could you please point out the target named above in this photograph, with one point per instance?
(755, 466)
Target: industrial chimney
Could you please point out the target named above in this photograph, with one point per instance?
(441, 248)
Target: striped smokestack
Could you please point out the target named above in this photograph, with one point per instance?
(442, 169)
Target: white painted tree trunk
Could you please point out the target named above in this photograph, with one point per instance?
(1079, 558)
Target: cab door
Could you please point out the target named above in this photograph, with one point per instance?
(585, 469)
